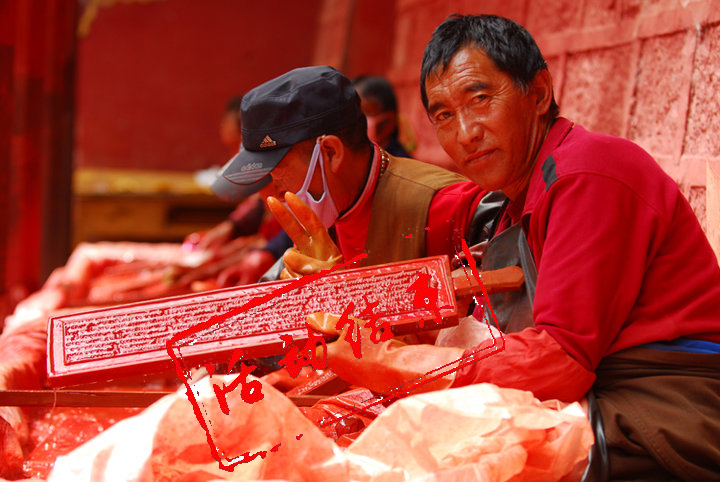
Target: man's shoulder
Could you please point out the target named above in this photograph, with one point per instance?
(405, 169)
(585, 153)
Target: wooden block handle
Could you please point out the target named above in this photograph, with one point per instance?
(495, 281)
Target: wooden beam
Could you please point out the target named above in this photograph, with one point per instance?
(104, 398)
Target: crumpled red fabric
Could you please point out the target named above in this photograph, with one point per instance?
(347, 409)
(22, 355)
(478, 432)
(166, 442)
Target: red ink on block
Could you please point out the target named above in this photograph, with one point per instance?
(472, 357)
(380, 331)
(295, 359)
(426, 297)
(250, 392)
(399, 318)
(352, 336)
(183, 372)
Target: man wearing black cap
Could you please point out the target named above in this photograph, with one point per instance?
(391, 208)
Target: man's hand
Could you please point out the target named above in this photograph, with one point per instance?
(385, 365)
(476, 250)
(248, 270)
(314, 250)
(211, 239)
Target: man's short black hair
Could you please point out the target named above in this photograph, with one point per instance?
(506, 42)
(378, 88)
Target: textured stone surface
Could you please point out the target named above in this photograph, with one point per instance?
(555, 15)
(514, 9)
(601, 12)
(597, 88)
(703, 126)
(556, 66)
(624, 67)
(697, 199)
(658, 114)
(712, 208)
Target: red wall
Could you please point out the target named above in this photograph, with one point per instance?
(153, 77)
(643, 70)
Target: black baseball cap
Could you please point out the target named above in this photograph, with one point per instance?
(299, 105)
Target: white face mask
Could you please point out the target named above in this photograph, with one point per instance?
(325, 206)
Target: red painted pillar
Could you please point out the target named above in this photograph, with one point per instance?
(37, 71)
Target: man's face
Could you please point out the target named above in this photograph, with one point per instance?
(290, 173)
(486, 123)
(380, 124)
(230, 133)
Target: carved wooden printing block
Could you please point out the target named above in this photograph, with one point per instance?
(133, 339)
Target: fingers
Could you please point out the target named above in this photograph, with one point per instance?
(323, 322)
(476, 251)
(290, 224)
(299, 264)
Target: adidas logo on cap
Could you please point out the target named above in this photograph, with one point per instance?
(267, 142)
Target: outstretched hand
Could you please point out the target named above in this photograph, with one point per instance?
(382, 366)
(314, 250)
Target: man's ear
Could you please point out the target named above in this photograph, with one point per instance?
(334, 151)
(542, 90)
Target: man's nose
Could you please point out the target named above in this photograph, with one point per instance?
(469, 129)
(372, 129)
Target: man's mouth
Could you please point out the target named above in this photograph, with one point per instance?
(478, 156)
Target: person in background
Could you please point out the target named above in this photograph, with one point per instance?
(231, 125)
(378, 103)
(247, 219)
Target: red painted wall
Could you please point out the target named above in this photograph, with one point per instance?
(153, 77)
(643, 70)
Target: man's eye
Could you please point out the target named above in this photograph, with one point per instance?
(480, 98)
(442, 116)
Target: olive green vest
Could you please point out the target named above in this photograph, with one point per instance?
(400, 209)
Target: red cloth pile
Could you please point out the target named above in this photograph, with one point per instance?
(480, 432)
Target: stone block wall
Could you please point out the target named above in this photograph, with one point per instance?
(646, 70)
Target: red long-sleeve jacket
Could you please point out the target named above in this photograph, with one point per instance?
(621, 259)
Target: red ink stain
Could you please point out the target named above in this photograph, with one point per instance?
(295, 359)
(352, 336)
(409, 236)
(407, 387)
(426, 297)
(380, 331)
(250, 392)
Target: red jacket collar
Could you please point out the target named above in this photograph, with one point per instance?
(536, 187)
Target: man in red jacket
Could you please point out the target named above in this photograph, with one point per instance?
(626, 302)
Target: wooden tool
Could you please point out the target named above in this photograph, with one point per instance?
(105, 398)
(206, 328)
